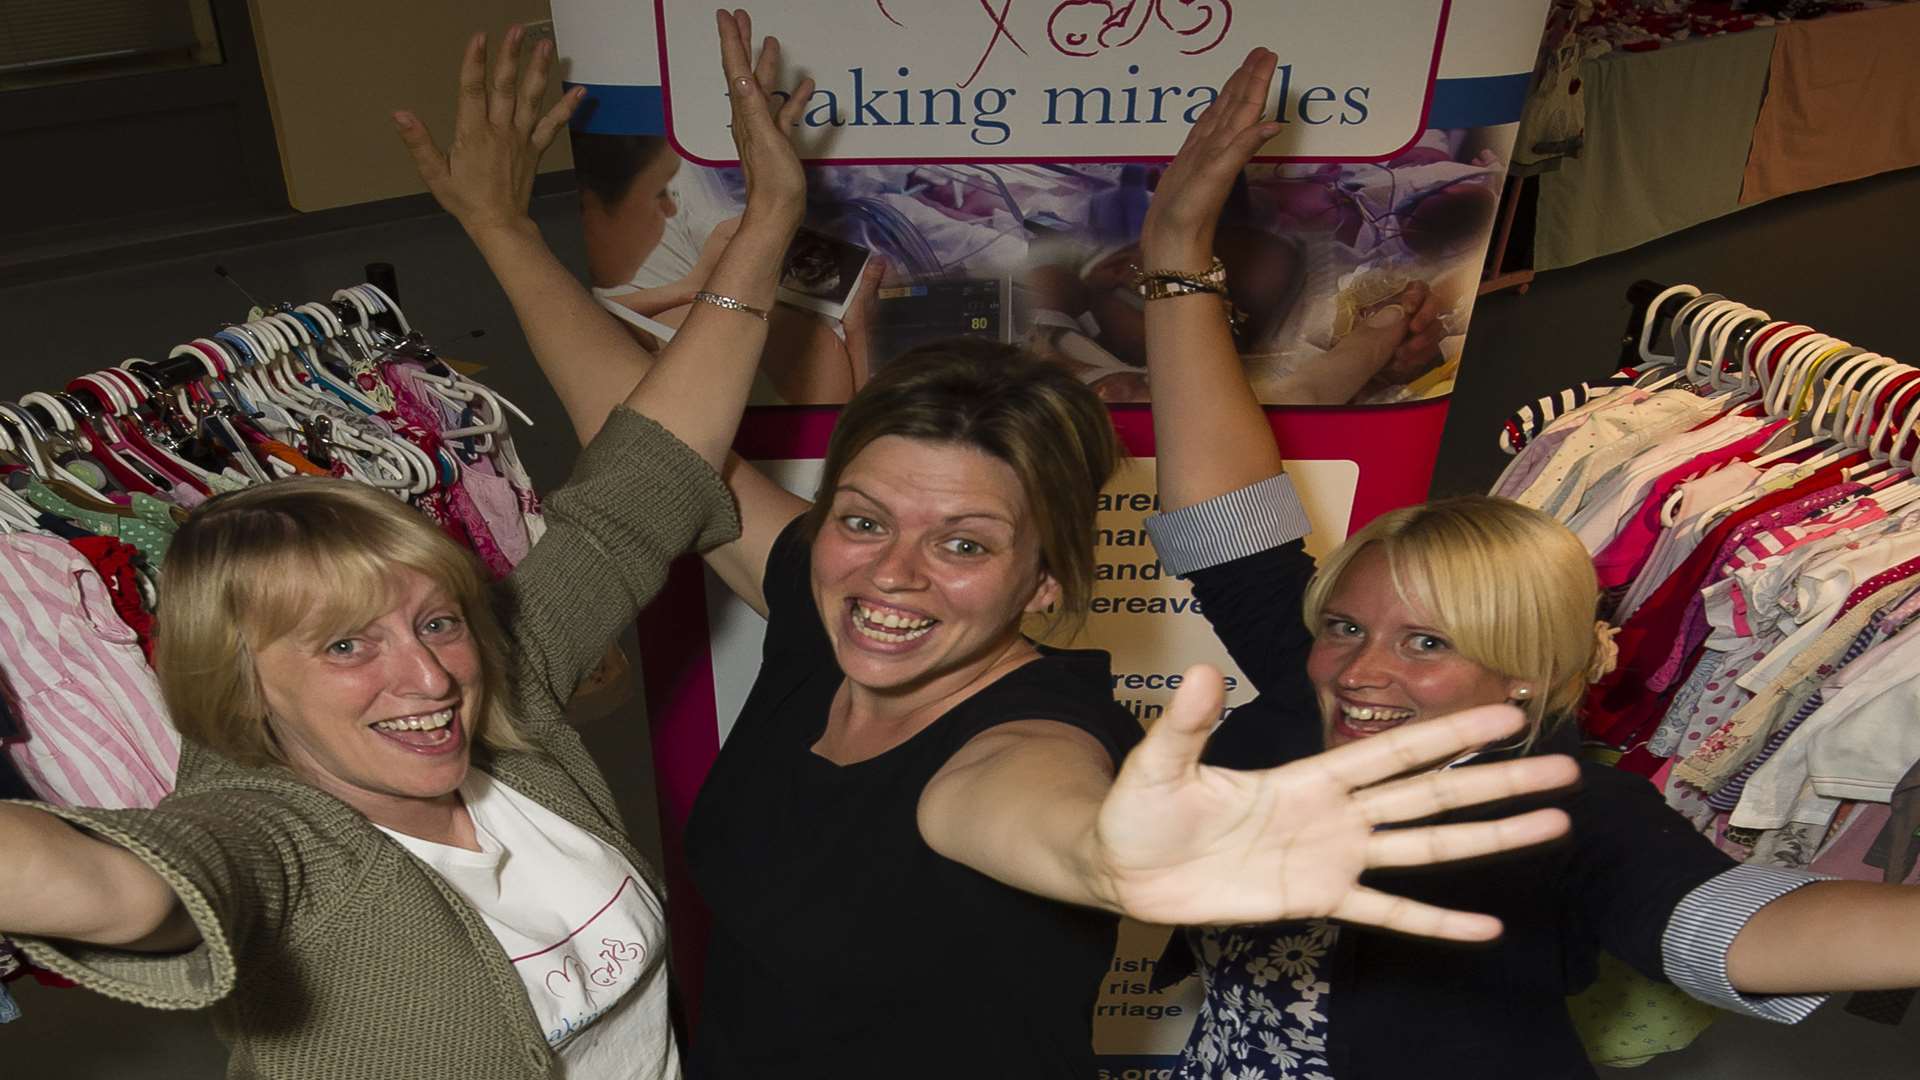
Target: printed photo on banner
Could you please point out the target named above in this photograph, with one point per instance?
(990, 166)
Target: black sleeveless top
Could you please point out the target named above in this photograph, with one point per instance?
(842, 945)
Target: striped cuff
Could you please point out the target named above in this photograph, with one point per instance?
(1701, 931)
(1255, 518)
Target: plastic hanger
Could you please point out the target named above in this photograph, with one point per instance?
(378, 295)
(1789, 385)
(30, 440)
(1736, 371)
(139, 440)
(1648, 319)
(1699, 322)
(1759, 352)
(305, 342)
(108, 445)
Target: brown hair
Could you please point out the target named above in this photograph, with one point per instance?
(1045, 424)
(312, 555)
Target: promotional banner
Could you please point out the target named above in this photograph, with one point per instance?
(982, 168)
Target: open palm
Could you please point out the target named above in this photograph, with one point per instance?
(1184, 843)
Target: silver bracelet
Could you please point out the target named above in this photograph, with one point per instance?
(729, 303)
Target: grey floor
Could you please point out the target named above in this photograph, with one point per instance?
(1837, 259)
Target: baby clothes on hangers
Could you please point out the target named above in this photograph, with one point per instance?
(1530, 419)
(1881, 625)
(1720, 755)
(1552, 444)
(1619, 709)
(1856, 745)
(150, 532)
(1635, 491)
(1636, 529)
(97, 732)
(1675, 543)
(1761, 617)
(114, 561)
(1666, 413)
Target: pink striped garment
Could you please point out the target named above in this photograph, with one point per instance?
(96, 732)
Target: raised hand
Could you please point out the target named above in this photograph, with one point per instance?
(1186, 204)
(484, 177)
(1186, 844)
(762, 122)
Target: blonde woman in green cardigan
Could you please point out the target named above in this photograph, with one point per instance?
(386, 855)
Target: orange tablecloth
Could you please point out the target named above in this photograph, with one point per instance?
(1842, 102)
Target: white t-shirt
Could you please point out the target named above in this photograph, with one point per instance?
(582, 928)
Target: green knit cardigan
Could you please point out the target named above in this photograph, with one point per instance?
(329, 951)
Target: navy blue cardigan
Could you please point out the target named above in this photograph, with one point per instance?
(1404, 1007)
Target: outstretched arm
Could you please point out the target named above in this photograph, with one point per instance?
(62, 883)
(697, 388)
(1830, 936)
(1171, 841)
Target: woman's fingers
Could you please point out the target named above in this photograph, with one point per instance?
(1171, 749)
(733, 49)
(1370, 907)
(795, 105)
(1413, 746)
(766, 70)
(1449, 843)
(550, 125)
(470, 105)
(533, 86)
(428, 159)
(505, 80)
(1431, 793)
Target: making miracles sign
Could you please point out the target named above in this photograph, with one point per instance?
(1046, 80)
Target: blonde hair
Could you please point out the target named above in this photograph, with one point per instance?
(1511, 588)
(1045, 424)
(311, 555)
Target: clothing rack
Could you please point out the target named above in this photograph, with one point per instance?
(1749, 499)
(1640, 295)
(174, 372)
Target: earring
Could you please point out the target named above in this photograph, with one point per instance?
(1522, 693)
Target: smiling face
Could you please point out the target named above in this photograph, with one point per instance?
(924, 566)
(383, 716)
(1378, 662)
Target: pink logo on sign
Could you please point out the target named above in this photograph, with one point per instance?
(1086, 27)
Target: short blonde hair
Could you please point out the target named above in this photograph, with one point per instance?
(311, 555)
(1510, 587)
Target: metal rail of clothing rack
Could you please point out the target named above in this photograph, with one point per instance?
(178, 371)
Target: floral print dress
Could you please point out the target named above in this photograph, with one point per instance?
(1264, 1013)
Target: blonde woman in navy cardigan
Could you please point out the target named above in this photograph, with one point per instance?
(1426, 611)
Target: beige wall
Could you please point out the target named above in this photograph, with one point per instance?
(336, 70)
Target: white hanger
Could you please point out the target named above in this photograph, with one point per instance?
(1832, 400)
(30, 443)
(1647, 355)
(1839, 425)
(1792, 372)
(1704, 320)
(1753, 355)
(375, 293)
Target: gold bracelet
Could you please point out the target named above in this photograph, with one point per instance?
(729, 303)
(1161, 284)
